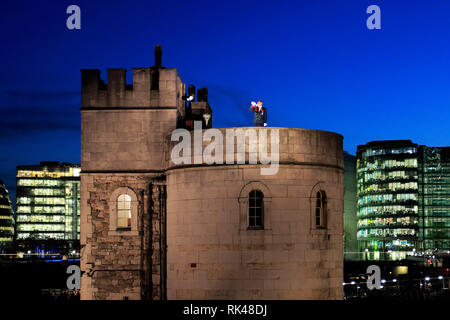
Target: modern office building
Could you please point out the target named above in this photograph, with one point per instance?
(403, 199)
(48, 197)
(434, 199)
(6, 218)
(350, 217)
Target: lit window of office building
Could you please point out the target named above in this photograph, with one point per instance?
(387, 191)
(434, 199)
(403, 199)
(6, 218)
(48, 202)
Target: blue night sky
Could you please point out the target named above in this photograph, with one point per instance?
(313, 62)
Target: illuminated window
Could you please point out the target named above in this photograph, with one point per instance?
(255, 209)
(124, 211)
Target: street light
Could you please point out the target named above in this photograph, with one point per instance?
(427, 278)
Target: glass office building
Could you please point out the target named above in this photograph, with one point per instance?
(48, 202)
(6, 218)
(403, 199)
(387, 208)
(434, 199)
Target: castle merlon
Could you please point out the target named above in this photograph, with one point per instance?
(154, 86)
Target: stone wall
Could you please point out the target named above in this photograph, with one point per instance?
(123, 147)
(117, 94)
(295, 146)
(123, 128)
(124, 264)
(124, 140)
(211, 253)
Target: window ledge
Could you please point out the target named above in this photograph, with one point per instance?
(319, 231)
(123, 232)
(255, 228)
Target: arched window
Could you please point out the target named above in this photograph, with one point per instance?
(256, 210)
(124, 211)
(255, 202)
(321, 210)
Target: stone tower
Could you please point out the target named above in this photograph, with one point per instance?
(124, 128)
(294, 252)
(231, 232)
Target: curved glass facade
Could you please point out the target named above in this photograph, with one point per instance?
(6, 217)
(387, 192)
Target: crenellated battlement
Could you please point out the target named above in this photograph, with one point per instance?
(152, 87)
(124, 126)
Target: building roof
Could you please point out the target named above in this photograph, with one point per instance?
(48, 165)
(387, 144)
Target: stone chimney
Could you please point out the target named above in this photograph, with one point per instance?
(158, 56)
